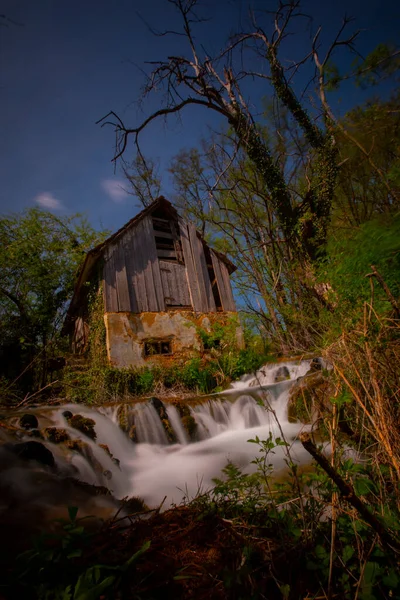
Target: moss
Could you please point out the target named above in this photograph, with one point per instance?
(133, 434)
(183, 409)
(56, 435)
(168, 430)
(190, 426)
(84, 425)
(134, 505)
(122, 417)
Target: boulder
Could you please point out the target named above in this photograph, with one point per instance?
(29, 421)
(282, 374)
(84, 425)
(67, 414)
(32, 451)
(159, 406)
(56, 435)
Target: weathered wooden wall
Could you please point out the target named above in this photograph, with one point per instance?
(223, 282)
(132, 277)
(136, 280)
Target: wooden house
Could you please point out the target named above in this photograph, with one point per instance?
(161, 282)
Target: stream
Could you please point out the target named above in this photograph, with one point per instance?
(152, 467)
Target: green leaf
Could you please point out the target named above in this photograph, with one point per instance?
(91, 592)
(363, 486)
(348, 553)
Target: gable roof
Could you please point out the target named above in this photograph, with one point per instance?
(95, 254)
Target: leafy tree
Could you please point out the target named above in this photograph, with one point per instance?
(39, 258)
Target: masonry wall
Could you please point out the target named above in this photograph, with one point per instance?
(128, 333)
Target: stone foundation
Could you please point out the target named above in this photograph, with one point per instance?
(130, 335)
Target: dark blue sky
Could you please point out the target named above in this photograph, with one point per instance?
(70, 62)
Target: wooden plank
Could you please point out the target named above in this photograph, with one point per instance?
(197, 251)
(223, 282)
(166, 253)
(124, 303)
(163, 234)
(206, 277)
(190, 268)
(138, 274)
(176, 289)
(130, 271)
(111, 298)
(154, 266)
(165, 278)
(182, 285)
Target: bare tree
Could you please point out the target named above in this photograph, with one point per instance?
(144, 182)
(218, 84)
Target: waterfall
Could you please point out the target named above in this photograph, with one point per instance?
(177, 449)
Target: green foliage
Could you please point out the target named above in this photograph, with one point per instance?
(55, 568)
(39, 258)
(349, 260)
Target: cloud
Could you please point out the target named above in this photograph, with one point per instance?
(114, 188)
(47, 200)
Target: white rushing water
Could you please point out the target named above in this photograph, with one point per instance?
(153, 468)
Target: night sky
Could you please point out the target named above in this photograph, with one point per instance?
(64, 64)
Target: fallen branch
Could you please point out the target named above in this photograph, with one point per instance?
(347, 492)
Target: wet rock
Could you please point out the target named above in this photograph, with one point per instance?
(86, 451)
(159, 406)
(168, 430)
(67, 414)
(117, 462)
(134, 505)
(133, 434)
(123, 417)
(56, 435)
(162, 413)
(107, 474)
(35, 433)
(315, 365)
(32, 451)
(282, 374)
(190, 426)
(106, 449)
(84, 425)
(29, 421)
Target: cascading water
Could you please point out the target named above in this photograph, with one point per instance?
(165, 459)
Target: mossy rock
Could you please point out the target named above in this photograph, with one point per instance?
(134, 505)
(190, 426)
(183, 409)
(84, 425)
(133, 434)
(29, 421)
(85, 450)
(169, 431)
(282, 374)
(56, 435)
(123, 417)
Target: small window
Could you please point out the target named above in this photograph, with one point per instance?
(157, 347)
